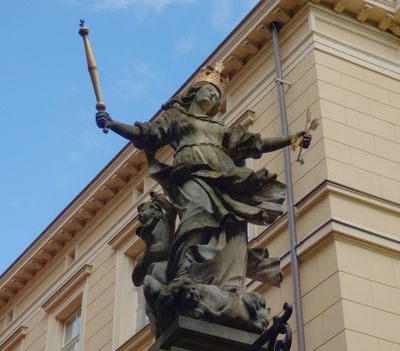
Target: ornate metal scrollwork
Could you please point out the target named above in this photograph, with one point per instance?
(269, 339)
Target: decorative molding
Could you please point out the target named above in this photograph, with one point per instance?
(264, 30)
(385, 22)
(125, 234)
(372, 239)
(367, 31)
(67, 288)
(391, 243)
(328, 232)
(339, 6)
(250, 46)
(246, 119)
(280, 14)
(235, 62)
(363, 15)
(355, 52)
(381, 14)
(14, 338)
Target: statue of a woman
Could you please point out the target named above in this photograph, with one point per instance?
(213, 192)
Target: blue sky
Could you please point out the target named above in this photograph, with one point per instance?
(51, 148)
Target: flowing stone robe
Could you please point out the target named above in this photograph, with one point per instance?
(214, 193)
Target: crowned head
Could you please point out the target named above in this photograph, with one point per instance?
(214, 74)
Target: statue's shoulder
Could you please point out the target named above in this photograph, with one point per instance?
(176, 112)
(186, 118)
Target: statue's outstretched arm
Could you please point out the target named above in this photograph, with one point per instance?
(272, 144)
(127, 131)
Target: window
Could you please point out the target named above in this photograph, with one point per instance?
(72, 328)
(251, 231)
(66, 309)
(139, 314)
(129, 303)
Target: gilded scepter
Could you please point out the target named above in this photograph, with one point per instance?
(310, 125)
(84, 33)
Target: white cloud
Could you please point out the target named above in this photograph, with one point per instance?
(137, 81)
(225, 14)
(185, 45)
(157, 5)
(221, 16)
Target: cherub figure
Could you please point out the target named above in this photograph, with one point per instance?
(158, 225)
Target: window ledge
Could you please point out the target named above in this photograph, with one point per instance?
(138, 341)
(14, 338)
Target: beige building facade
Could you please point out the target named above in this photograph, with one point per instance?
(71, 289)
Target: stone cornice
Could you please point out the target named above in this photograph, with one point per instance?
(65, 290)
(14, 338)
(332, 228)
(127, 235)
(326, 189)
(384, 14)
(249, 37)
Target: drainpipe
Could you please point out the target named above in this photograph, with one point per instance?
(294, 264)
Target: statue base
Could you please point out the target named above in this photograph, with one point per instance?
(187, 334)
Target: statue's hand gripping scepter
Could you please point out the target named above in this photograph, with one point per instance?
(84, 33)
(310, 125)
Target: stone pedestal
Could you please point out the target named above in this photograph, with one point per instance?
(187, 334)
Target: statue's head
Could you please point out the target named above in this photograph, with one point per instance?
(189, 294)
(206, 91)
(184, 292)
(207, 96)
(257, 310)
(149, 211)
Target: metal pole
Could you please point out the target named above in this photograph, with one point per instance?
(275, 27)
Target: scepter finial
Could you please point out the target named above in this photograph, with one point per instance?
(83, 30)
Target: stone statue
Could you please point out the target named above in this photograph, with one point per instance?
(199, 269)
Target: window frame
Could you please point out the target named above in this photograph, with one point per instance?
(69, 298)
(139, 309)
(75, 339)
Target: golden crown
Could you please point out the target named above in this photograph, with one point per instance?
(214, 75)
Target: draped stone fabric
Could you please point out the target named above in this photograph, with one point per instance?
(214, 194)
